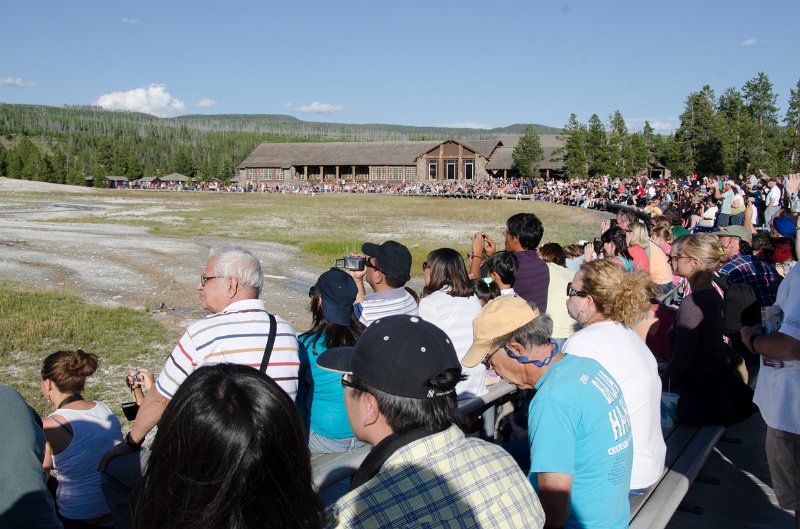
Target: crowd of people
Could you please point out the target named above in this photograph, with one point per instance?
(592, 333)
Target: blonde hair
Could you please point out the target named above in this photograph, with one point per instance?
(618, 295)
(704, 247)
(640, 237)
(662, 228)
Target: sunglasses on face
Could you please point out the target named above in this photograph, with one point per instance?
(572, 292)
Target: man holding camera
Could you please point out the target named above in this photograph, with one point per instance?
(387, 268)
(237, 332)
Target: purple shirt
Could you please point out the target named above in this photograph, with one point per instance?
(533, 278)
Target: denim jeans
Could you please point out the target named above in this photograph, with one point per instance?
(318, 444)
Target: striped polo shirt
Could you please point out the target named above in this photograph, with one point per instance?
(387, 303)
(236, 335)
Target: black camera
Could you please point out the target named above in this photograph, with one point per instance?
(130, 409)
(351, 263)
(598, 246)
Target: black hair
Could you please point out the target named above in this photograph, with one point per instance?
(335, 335)
(229, 452)
(527, 228)
(485, 292)
(404, 414)
(617, 236)
(447, 269)
(505, 265)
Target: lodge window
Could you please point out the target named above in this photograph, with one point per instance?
(433, 170)
(278, 174)
(378, 173)
(251, 174)
(411, 173)
(469, 170)
(266, 174)
(451, 169)
(395, 173)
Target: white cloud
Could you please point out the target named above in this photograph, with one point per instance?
(658, 124)
(153, 99)
(467, 125)
(206, 103)
(315, 108)
(15, 81)
(749, 42)
(129, 20)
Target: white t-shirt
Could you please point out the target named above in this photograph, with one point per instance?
(563, 324)
(778, 389)
(623, 354)
(454, 316)
(774, 197)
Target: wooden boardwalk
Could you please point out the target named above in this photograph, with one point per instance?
(734, 488)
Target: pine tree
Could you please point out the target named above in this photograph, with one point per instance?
(792, 133)
(528, 153)
(763, 130)
(733, 126)
(698, 141)
(597, 147)
(618, 146)
(575, 148)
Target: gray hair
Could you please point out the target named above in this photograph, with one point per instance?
(539, 331)
(240, 263)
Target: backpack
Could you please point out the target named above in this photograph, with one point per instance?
(740, 307)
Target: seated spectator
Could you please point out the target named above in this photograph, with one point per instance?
(229, 452)
(580, 464)
(25, 502)
(699, 369)
(615, 248)
(485, 289)
(388, 269)
(783, 256)
(573, 257)
(608, 302)
(560, 276)
(502, 269)
(333, 325)
(400, 395)
(638, 245)
(742, 268)
(448, 301)
(78, 433)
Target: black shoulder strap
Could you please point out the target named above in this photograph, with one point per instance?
(273, 330)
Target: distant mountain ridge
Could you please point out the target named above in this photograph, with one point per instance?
(279, 124)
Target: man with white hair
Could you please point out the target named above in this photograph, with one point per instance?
(237, 331)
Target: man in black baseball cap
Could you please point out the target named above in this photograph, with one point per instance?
(387, 269)
(400, 381)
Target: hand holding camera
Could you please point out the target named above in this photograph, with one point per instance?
(139, 380)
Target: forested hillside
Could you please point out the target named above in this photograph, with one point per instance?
(64, 144)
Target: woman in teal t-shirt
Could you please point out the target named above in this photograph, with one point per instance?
(334, 324)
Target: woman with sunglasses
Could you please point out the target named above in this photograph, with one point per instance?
(607, 302)
(449, 302)
(699, 369)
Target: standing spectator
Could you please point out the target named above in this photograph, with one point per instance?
(773, 200)
(726, 195)
(607, 302)
(333, 325)
(448, 301)
(560, 276)
(387, 270)
(229, 452)
(78, 433)
(699, 368)
(578, 425)
(400, 395)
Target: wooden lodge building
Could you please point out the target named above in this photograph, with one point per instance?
(390, 162)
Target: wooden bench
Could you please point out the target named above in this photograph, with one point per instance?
(688, 448)
(332, 468)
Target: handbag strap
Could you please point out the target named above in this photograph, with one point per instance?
(273, 331)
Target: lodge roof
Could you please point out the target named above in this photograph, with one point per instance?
(339, 153)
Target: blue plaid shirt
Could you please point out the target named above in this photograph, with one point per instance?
(753, 271)
(444, 480)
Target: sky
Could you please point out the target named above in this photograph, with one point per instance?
(436, 63)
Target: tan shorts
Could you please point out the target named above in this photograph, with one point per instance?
(783, 456)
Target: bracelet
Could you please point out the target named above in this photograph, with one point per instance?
(129, 442)
(473, 256)
(753, 343)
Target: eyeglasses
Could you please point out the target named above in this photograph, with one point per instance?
(524, 359)
(572, 292)
(671, 258)
(425, 265)
(205, 279)
(347, 383)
